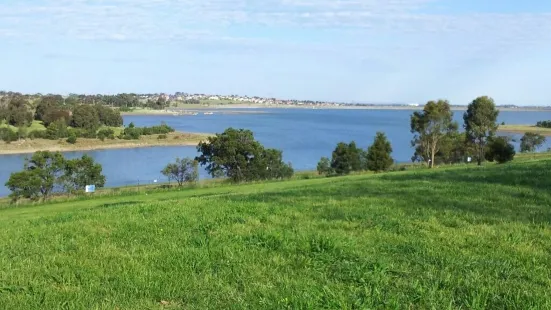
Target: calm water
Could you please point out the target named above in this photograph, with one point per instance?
(303, 135)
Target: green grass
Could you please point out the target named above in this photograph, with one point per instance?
(521, 129)
(35, 125)
(460, 237)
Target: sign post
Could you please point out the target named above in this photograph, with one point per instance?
(90, 189)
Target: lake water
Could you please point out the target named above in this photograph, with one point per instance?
(303, 135)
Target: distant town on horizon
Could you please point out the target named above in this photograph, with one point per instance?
(214, 99)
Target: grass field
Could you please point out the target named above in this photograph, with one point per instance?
(459, 237)
(521, 129)
(35, 125)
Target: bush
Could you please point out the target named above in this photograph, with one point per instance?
(106, 133)
(500, 150)
(8, 135)
(57, 130)
(133, 133)
(37, 134)
(324, 166)
(161, 137)
(544, 124)
(72, 138)
(88, 134)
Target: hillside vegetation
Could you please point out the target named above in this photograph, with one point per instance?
(461, 237)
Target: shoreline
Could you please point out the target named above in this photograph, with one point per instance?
(223, 109)
(522, 129)
(32, 146)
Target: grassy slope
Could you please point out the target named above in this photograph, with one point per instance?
(450, 238)
(35, 125)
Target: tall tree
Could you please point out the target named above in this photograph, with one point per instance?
(430, 128)
(18, 113)
(85, 117)
(378, 154)
(530, 142)
(481, 123)
(47, 104)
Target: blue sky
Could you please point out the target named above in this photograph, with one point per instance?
(380, 51)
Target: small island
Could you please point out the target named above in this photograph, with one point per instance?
(47, 124)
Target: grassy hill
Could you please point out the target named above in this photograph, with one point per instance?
(463, 237)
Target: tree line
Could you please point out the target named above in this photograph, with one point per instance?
(236, 155)
(122, 101)
(544, 124)
(62, 121)
(437, 140)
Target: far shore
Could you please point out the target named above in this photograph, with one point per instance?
(189, 109)
(31, 146)
(522, 129)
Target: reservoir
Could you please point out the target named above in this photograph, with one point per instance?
(304, 135)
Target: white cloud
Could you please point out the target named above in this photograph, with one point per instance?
(167, 19)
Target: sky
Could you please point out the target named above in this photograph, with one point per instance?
(371, 51)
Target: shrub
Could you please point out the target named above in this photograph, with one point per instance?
(37, 134)
(160, 137)
(500, 150)
(72, 138)
(544, 124)
(57, 130)
(8, 135)
(106, 133)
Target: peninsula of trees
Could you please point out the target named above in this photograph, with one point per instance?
(29, 123)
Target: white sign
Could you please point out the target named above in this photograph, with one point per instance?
(469, 159)
(90, 188)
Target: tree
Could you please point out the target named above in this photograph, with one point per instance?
(25, 184)
(108, 116)
(237, 155)
(269, 165)
(185, 170)
(57, 130)
(41, 173)
(81, 172)
(22, 131)
(346, 158)
(18, 112)
(55, 114)
(378, 154)
(47, 104)
(530, 142)
(480, 123)
(499, 149)
(324, 166)
(85, 117)
(430, 127)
